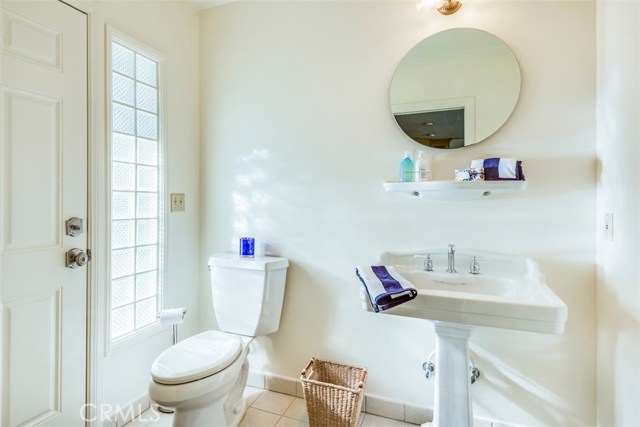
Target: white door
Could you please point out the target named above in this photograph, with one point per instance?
(43, 182)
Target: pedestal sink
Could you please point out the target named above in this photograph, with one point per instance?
(510, 292)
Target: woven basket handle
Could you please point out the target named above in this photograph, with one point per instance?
(306, 368)
(362, 378)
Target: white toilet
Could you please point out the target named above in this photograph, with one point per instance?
(203, 377)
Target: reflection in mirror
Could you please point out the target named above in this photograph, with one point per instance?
(455, 88)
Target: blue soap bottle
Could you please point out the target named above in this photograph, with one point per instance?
(406, 168)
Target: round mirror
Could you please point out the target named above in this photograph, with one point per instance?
(455, 88)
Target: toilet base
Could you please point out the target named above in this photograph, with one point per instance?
(234, 418)
(209, 415)
(223, 406)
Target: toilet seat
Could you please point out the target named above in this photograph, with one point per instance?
(195, 358)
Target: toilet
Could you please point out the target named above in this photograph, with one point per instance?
(202, 378)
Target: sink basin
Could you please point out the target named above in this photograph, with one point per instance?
(510, 292)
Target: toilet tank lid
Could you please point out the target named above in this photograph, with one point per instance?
(263, 263)
(196, 357)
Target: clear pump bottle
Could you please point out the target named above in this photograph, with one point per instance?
(422, 168)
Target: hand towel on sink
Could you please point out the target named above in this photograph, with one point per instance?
(385, 286)
(500, 168)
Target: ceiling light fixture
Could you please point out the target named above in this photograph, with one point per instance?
(449, 7)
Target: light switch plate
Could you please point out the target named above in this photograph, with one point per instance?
(608, 227)
(177, 202)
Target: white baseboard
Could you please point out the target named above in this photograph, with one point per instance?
(372, 404)
(119, 416)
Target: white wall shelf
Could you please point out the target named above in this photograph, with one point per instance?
(455, 190)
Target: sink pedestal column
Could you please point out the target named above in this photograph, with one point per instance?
(452, 406)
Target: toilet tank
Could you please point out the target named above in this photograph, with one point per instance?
(248, 293)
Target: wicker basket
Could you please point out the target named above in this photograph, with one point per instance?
(333, 393)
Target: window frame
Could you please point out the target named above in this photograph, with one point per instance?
(139, 334)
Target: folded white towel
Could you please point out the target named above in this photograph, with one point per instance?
(385, 286)
(477, 164)
(507, 168)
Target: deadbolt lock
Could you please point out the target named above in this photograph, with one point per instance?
(75, 226)
(77, 258)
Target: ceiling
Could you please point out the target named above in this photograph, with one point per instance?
(206, 4)
(448, 124)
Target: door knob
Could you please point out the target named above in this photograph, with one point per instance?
(77, 258)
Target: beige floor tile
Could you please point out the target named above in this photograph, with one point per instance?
(166, 420)
(376, 421)
(297, 410)
(151, 418)
(270, 401)
(251, 394)
(256, 418)
(140, 421)
(290, 422)
(266, 410)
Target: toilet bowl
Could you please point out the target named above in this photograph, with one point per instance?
(203, 377)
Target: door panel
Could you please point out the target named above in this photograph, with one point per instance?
(33, 327)
(30, 40)
(43, 182)
(39, 147)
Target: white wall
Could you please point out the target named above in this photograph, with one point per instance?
(298, 138)
(171, 29)
(618, 273)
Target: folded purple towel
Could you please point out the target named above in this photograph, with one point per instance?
(500, 169)
(385, 287)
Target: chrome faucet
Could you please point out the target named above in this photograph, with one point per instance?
(451, 261)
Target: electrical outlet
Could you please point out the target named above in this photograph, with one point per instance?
(608, 227)
(177, 202)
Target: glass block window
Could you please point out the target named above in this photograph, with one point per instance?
(136, 191)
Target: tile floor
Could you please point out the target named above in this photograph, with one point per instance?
(267, 409)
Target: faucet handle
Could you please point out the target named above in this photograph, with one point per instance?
(428, 263)
(474, 267)
(451, 248)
